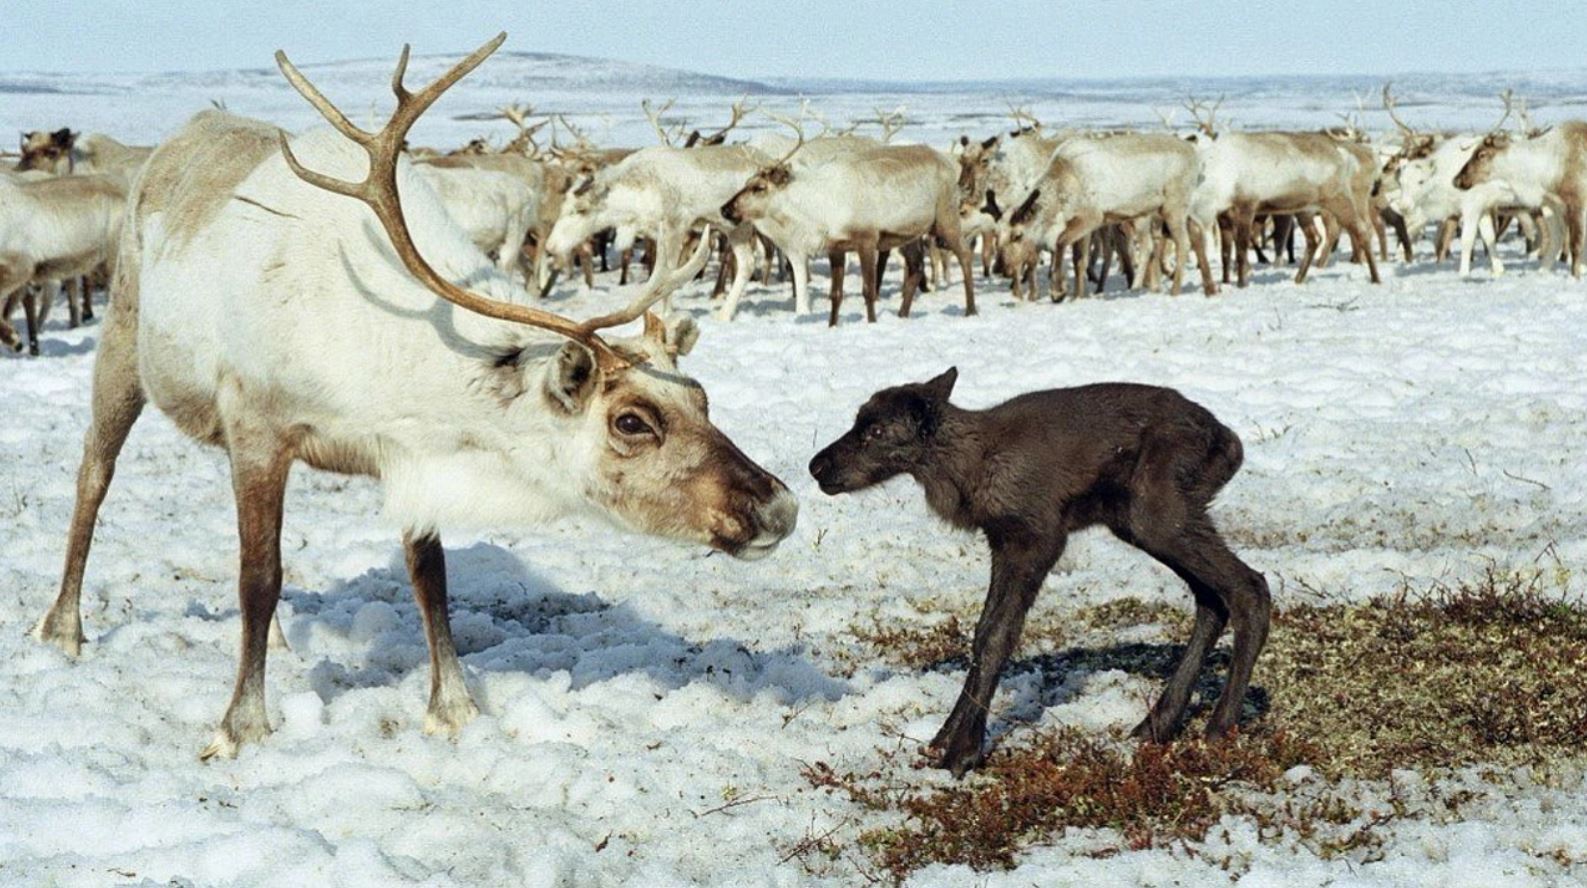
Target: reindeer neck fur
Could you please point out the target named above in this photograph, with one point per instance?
(951, 475)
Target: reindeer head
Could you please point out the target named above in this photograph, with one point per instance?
(49, 152)
(583, 215)
(754, 200)
(645, 453)
(612, 425)
(894, 433)
(1479, 167)
(1018, 243)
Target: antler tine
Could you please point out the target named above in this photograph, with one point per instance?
(797, 126)
(654, 292)
(655, 120)
(378, 191)
(1508, 96)
(1167, 117)
(1389, 105)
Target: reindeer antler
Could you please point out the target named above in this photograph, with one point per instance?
(1167, 117)
(739, 109)
(1508, 97)
(1022, 116)
(666, 137)
(891, 122)
(378, 191)
(1389, 105)
(797, 126)
(1208, 124)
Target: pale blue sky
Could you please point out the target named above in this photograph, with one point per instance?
(943, 40)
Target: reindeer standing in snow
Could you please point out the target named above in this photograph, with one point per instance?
(259, 308)
(867, 200)
(52, 229)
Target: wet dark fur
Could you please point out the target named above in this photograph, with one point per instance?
(1143, 461)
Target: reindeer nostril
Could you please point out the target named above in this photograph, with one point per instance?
(820, 466)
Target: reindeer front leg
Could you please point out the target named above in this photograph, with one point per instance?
(451, 707)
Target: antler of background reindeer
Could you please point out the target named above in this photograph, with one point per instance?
(891, 122)
(739, 110)
(1204, 115)
(1022, 117)
(667, 137)
(378, 191)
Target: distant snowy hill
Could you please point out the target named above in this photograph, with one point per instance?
(602, 97)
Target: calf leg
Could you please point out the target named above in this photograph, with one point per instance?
(1018, 569)
(1171, 525)
(451, 707)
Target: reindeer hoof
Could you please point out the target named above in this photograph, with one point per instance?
(221, 747)
(69, 640)
(449, 719)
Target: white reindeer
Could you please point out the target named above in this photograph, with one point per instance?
(1546, 168)
(495, 209)
(1246, 173)
(262, 312)
(662, 193)
(52, 229)
(64, 151)
(1101, 180)
(882, 197)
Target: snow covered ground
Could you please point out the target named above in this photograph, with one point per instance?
(648, 707)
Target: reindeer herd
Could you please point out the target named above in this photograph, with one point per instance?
(342, 299)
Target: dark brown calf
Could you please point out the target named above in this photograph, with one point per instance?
(1143, 461)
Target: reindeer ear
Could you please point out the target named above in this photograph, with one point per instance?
(991, 208)
(570, 378)
(674, 336)
(941, 386)
(682, 334)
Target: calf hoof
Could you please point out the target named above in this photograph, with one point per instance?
(1151, 732)
(958, 756)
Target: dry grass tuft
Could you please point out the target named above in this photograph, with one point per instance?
(1492, 671)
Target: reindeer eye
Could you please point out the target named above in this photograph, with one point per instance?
(632, 424)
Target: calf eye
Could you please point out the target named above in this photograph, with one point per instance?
(632, 424)
(874, 433)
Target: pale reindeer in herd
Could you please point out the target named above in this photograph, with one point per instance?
(52, 229)
(1538, 168)
(264, 312)
(1245, 174)
(662, 193)
(1109, 180)
(865, 200)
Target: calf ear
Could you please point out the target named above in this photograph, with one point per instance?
(570, 378)
(940, 387)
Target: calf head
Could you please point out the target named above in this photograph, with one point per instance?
(894, 433)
